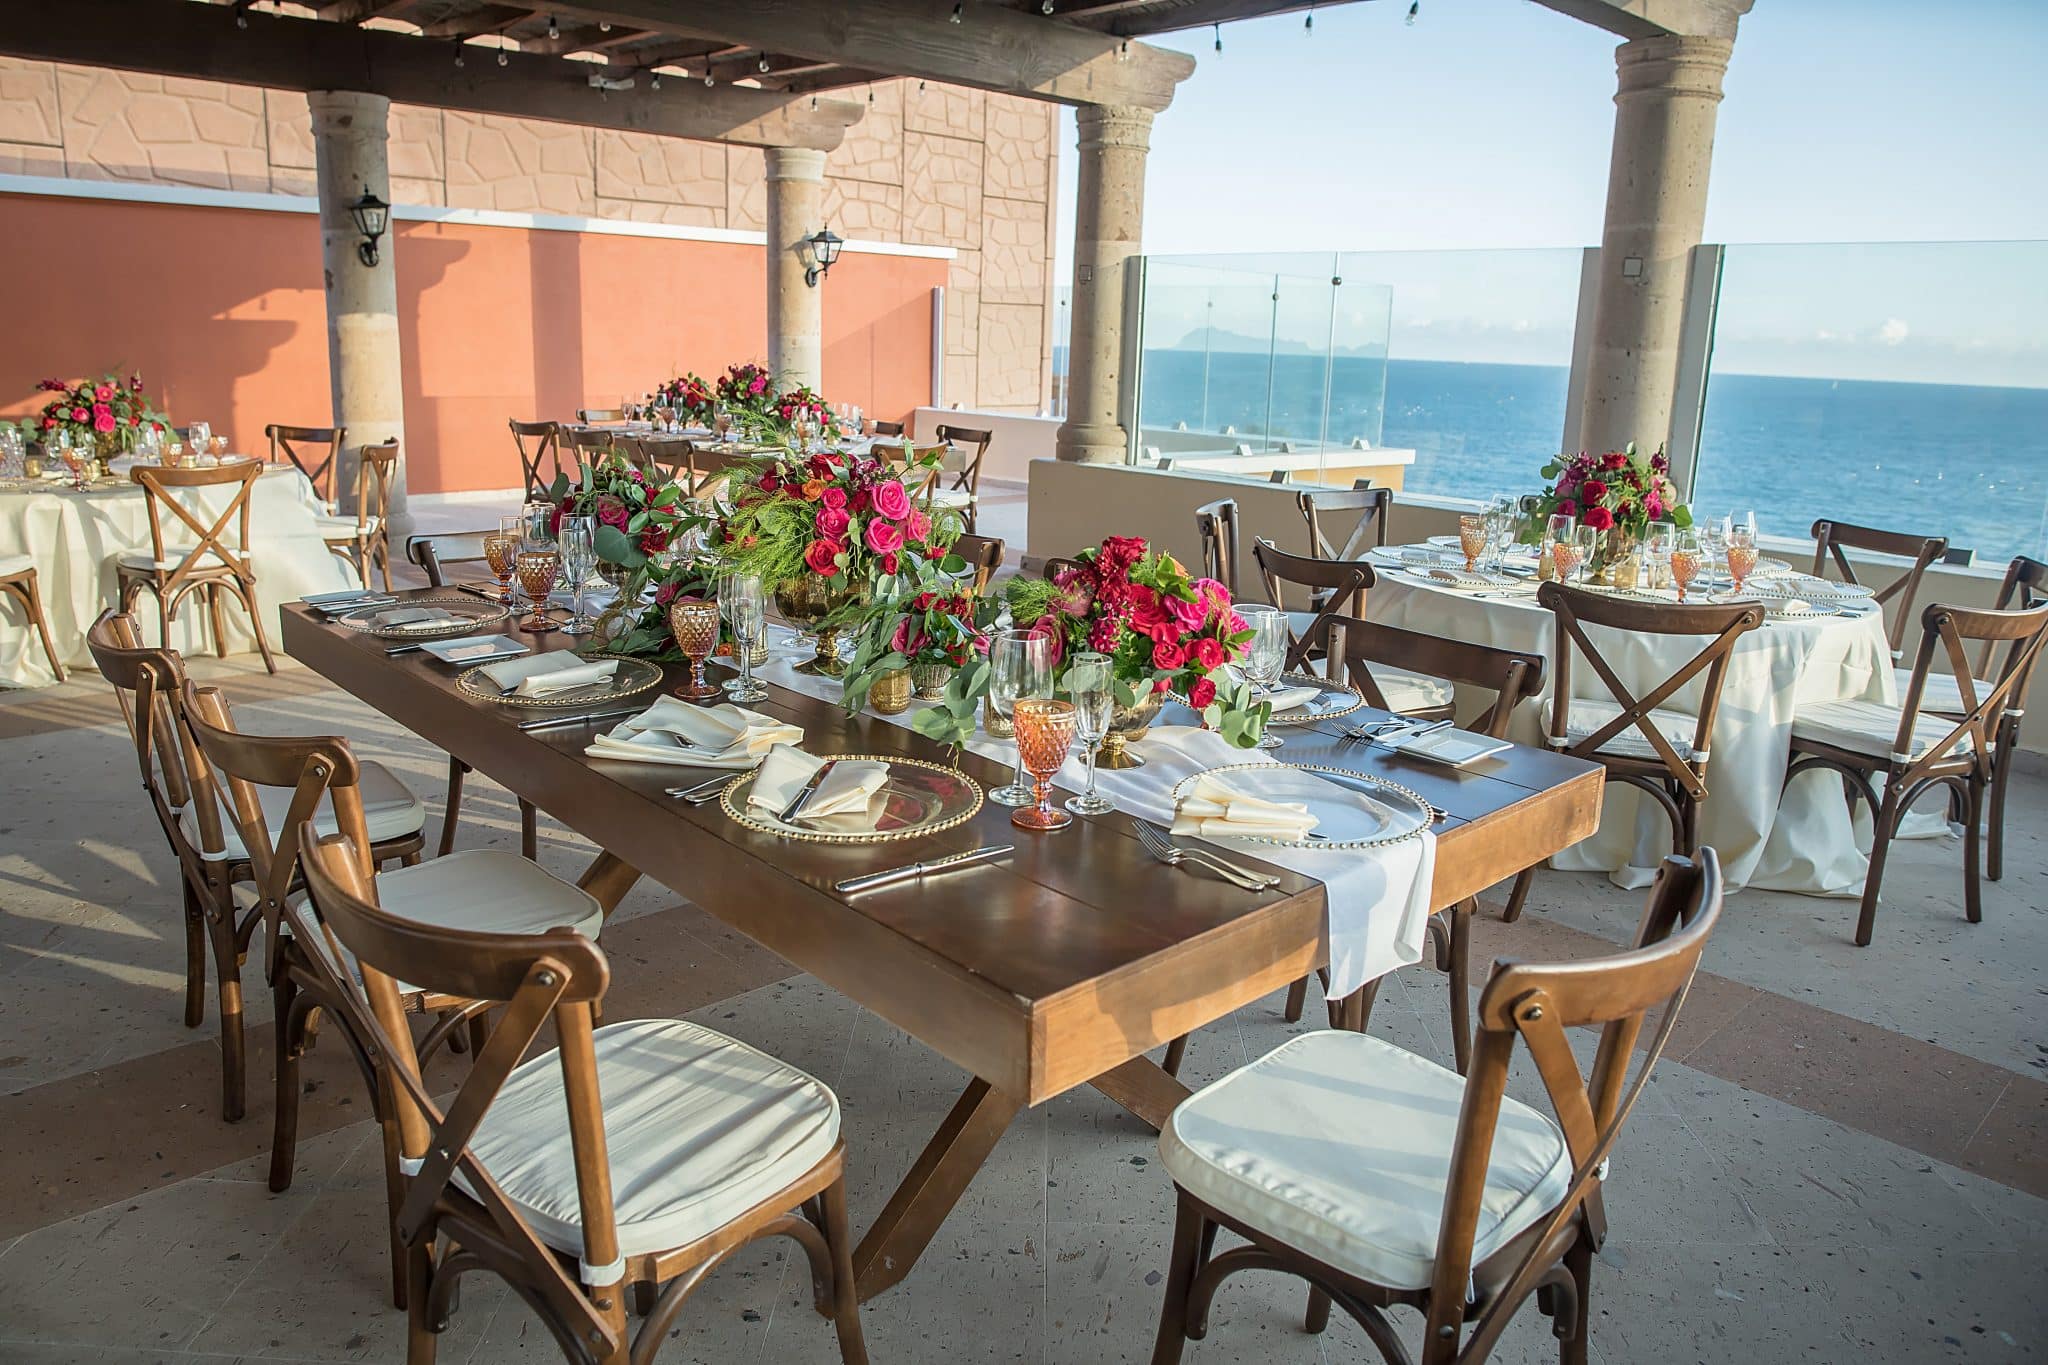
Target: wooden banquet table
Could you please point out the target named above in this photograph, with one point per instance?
(1057, 968)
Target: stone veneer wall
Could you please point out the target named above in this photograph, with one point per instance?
(932, 165)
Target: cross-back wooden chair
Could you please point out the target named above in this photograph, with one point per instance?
(638, 1153)
(2024, 587)
(364, 539)
(984, 554)
(314, 452)
(583, 444)
(1915, 751)
(894, 429)
(1834, 539)
(709, 461)
(1335, 588)
(1367, 650)
(1660, 751)
(963, 494)
(18, 581)
(1216, 526)
(434, 555)
(1373, 506)
(591, 416)
(208, 565)
(545, 450)
(662, 459)
(1452, 1197)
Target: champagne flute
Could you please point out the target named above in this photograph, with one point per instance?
(1265, 659)
(746, 605)
(1092, 685)
(1688, 557)
(577, 543)
(538, 568)
(1045, 731)
(1020, 668)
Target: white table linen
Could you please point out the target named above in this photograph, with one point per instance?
(75, 539)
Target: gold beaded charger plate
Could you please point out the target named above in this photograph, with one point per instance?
(917, 798)
(1352, 810)
(1805, 586)
(1332, 699)
(630, 679)
(460, 616)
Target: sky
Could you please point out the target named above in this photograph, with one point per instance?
(1485, 126)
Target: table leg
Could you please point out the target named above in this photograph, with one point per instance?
(608, 879)
(1142, 1086)
(935, 1183)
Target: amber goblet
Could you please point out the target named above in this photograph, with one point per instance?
(1045, 731)
(538, 570)
(1472, 540)
(695, 623)
(501, 552)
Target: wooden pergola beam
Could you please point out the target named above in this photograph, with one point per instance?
(1630, 19)
(992, 47)
(170, 38)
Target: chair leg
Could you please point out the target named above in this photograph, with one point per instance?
(456, 769)
(284, 1124)
(394, 1196)
(1994, 848)
(227, 966)
(1297, 999)
(219, 620)
(529, 829)
(34, 602)
(853, 1348)
(1973, 853)
(1186, 1263)
(1316, 1320)
(1572, 1348)
(195, 957)
(1176, 1053)
(1884, 820)
(163, 620)
(1461, 981)
(1523, 880)
(247, 592)
(479, 1025)
(421, 1336)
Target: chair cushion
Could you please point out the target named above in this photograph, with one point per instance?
(14, 564)
(1944, 696)
(1868, 727)
(345, 527)
(699, 1128)
(955, 498)
(1339, 1145)
(1587, 717)
(174, 555)
(390, 810)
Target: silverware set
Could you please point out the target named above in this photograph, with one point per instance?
(1159, 843)
(972, 858)
(702, 793)
(551, 722)
(1392, 729)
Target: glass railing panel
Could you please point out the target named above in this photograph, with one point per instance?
(1206, 369)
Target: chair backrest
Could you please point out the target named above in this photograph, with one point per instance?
(600, 414)
(984, 554)
(435, 553)
(1576, 608)
(374, 476)
(1536, 1003)
(1373, 506)
(2021, 631)
(313, 451)
(211, 551)
(555, 977)
(2025, 585)
(581, 439)
(885, 428)
(1216, 524)
(1512, 675)
(967, 478)
(661, 458)
(709, 463)
(146, 683)
(546, 438)
(1336, 588)
(1835, 538)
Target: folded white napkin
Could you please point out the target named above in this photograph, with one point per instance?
(537, 675)
(674, 731)
(847, 788)
(414, 616)
(1287, 698)
(1216, 806)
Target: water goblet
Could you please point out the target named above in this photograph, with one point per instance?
(538, 569)
(1019, 669)
(1265, 658)
(1092, 685)
(1565, 557)
(1688, 557)
(1472, 539)
(1741, 555)
(1556, 531)
(721, 422)
(577, 543)
(199, 436)
(1045, 730)
(743, 599)
(1588, 542)
(1502, 516)
(695, 623)
(1658, 544)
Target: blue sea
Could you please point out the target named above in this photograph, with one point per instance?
(1964, 461)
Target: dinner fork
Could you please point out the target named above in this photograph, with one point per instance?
(1173, 855)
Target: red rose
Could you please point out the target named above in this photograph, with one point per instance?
(1599, 519)
(889, 562)
(666, 594)
(1203, 692)
(1593, 491)
(1567, 508)
(1614, 459)
(1209, 653)
(654, 540)
(769, 483)
(832, 522)
(1168, 654)
(822, 558)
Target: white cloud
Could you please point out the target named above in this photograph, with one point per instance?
(1893, 332)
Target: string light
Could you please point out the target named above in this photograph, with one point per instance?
(1219, 37)
(1045, 6)
(1309, 24)
(871, 94)
(654, 80)
(1413, 9)
(764, 63)
(554, 29)
(458, 52)
(604, 26)
(957, 4)
(503, 60)
(709, 79)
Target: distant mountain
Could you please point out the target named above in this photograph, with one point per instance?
(1222, 339)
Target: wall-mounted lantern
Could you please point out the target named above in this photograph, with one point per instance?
(818, 253)
(371, 215)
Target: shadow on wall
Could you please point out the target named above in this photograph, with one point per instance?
(881, 361)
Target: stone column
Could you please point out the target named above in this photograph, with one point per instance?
(1669, 94)
(362, 300)
(1109, 218)
(796, 311)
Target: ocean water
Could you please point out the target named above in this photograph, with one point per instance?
(1965, 461)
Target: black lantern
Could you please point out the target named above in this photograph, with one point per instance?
(371, 215)
(818, 253)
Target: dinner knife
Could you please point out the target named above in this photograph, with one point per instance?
(549, 722)
(903, 874)
(475, 591)
(808, 790)
(1401, 739)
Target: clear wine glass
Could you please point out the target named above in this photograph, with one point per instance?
(1658, 543)
(578, 544)
(1020, 667)
(745, 604)
(1265, 658)
(1091, 684)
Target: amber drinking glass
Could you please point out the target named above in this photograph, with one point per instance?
(695, 623)
(538, 570)
(1045, 730)
(1472, 538)
(1687, 559)
(1741, 555)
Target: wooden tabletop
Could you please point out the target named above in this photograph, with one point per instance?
(1037, 974)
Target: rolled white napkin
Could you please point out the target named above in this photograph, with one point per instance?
(537, 675)
(1219, 807)
(414, 616)
(847, 788)
(674, 731)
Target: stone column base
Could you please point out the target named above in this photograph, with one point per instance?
(1092, 443)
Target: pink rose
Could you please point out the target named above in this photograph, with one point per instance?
(1209, 653)
(1168, 654)
(917, 526)
(906, 640)
(79, 414)
(1048, 627)
(891, 501)
(666, 594)
(612, 511)
(832, 522)
(103, 393)
(1189, 615)
(103, 422)
(822, 558)
(884, 537)
(834, 498)
(1204, 690)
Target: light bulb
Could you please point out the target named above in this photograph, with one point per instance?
(554, 29)
(503, 60)
(956, 10)
(1413, 10)
(764, 63)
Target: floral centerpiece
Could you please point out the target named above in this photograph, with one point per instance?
(636, 518)
(1619, 493)
(693, 399)
(746, 388)
(102, 412)
(801, 401)
(927, 620)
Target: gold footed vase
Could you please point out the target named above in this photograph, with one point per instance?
(1126, 723)
(807, 600)
(890, 696)
(1618, 561)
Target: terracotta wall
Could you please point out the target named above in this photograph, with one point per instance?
(222, 311)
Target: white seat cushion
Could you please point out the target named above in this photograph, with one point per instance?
(1869, 727)
(1407, 691)
(14, 564)
(345, 527)
(700, 1128)
(954, 498)
(174, 555)
(390, 810)
(1587, 717)
(1339, 1145)
(1943, 695)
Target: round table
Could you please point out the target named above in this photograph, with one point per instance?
(75, 538)
(1804, 840)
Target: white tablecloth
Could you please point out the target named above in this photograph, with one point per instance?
(1804, 842)
(75, 538)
